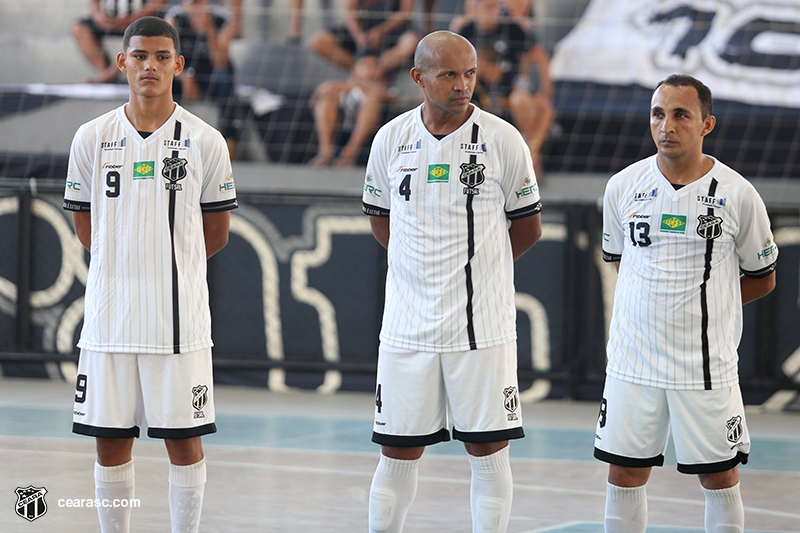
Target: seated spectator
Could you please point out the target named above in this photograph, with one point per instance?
(206, 32)
(381, 27)
(360, 99)
(506, 52)
(108, 17)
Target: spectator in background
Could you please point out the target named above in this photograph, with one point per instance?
(381, 27)
(506, 52)
(206, 32)
(109, 17)
(360, 100)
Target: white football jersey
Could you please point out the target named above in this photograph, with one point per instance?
(450, 284)
(677, 317)
(147, 290)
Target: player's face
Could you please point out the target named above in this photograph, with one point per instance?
(448, 85)
(676, 121)
(150, 63)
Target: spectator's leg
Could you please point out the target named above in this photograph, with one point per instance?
(394, 57)
(296, 22)
(326, 45)
(367, 118)
(325, 104)
(533, 115)
(231, 123)
(92, 50)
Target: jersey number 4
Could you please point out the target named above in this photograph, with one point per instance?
(405, 187)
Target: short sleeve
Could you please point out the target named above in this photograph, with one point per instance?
(519, 179)
(612, 231)
(78, 187)
(219, 191)
(755, 244)
(376, 200)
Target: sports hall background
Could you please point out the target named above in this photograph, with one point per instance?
(297, 294)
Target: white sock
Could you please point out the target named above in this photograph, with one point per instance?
(186, 486)
(626, 509)
(491, 492)
(394, 486)
(724, 510)
(114, 483)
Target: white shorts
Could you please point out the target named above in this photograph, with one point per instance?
(116, 392)
(708, 427)
(415, 388)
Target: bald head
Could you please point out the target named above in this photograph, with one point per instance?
(430, 47)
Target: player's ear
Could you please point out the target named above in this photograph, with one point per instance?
(180, 62)
(708, 124)
(419, 79)
(121, 61)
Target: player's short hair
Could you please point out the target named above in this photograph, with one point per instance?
(151, 27)
(703, 92)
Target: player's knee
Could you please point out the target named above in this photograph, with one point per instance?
(490, 515)
(382, 506)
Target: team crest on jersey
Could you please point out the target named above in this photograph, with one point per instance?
(709, 226)
(173, 171)
(472, 175)
(511, 402)
(199, 400)
(30, 502)
(735, 428)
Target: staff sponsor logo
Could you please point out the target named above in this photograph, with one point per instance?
(107, 146)
(411, 148)
(711, 201)
(30, 502)
(176, 144)
(474, 148)
(709, 227)
(645, 196)
(673, 223)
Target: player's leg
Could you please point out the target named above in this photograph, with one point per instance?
(178, 397)
(711, 439)
(630, 454)
(410, 413)
(483, 393)
(108, 406)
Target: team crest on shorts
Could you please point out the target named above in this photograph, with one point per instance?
(511, 402)
(199, 400)
(472, 175)
(735, 428)
(174, 170)
(709, 226)
(30, 502)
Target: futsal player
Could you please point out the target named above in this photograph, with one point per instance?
(691, 240)
(451, 193)
(151, 189)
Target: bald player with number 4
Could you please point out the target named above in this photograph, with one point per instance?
(451, 193)
(151, 189)
(692, 242)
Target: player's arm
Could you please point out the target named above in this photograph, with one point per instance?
(82, 220)
(524, 232)
(380, 229)
(755, 288)
(215, 230)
